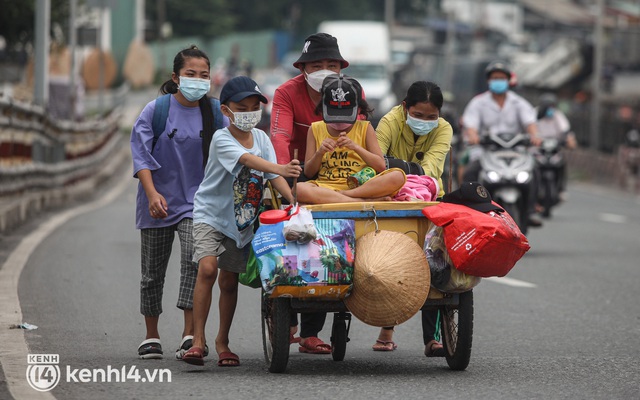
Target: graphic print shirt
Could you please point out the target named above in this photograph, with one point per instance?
(337, 165)
(229, 197)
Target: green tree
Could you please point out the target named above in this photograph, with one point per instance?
(208, 19)
(17, 21)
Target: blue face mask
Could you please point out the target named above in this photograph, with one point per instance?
(421, 127)
(498, 86)
(549, 113)
(193, 89)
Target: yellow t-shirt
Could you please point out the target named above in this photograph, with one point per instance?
(339, 164)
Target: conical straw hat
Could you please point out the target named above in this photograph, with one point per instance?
(391, 279)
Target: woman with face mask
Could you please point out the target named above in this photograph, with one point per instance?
(164, 203)
(414, 131)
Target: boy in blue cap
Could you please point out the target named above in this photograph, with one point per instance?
(226, 206)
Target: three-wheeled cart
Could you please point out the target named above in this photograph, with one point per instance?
(456, 309)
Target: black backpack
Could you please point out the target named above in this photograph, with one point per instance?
(209, 125)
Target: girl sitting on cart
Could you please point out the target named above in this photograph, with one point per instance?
(341, 146)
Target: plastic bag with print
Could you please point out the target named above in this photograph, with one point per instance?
(478, 243)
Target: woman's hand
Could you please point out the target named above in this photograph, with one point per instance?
(158, 206)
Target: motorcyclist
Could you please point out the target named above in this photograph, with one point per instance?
(553, 124)
(500, 110)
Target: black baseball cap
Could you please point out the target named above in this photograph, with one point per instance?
(340, 98)
(320, 46)
(239, 88)
(474, 195)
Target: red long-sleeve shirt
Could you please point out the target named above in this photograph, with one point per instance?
(292, 113)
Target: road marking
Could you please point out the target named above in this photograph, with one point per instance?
(614, 218)
(13, 346)
(510, 282)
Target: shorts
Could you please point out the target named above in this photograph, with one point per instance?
(210, 242)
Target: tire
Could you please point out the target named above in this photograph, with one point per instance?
(457, 332)
(338, 338)
(275, 333)
(518, 217)
(549, 197)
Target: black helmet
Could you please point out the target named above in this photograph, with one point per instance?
(548, 100)
(497, 66)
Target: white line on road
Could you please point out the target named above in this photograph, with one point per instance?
(511, 282)
(13, 346)
(614, 218)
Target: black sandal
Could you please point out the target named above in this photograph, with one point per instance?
(434, 349)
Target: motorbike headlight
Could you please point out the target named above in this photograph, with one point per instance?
(493, 176)
(522, 177)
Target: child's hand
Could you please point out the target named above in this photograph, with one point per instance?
(344, 141)
(291, 170)
(327, 146)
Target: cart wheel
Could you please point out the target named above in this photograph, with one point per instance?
(275, 333)
(457, 331)
(339, 337)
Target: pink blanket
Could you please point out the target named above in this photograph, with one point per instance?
(418, 187)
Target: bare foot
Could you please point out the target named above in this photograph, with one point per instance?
(292, 331)
(384, 198)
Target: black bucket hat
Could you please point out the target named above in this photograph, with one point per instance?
(473, 195)
(320, 46)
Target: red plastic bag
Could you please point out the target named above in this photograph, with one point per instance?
(479, 244)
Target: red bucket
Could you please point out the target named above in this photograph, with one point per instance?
(275, 216)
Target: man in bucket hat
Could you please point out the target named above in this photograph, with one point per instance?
(295, 101)
(293, 111)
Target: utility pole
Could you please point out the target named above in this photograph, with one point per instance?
(73, 42)
(389, 13)
(449, 51)
(41, 64)
(596, 89)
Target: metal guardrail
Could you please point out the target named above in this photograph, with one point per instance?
(37, 152)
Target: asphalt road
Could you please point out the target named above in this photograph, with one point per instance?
(567, 328)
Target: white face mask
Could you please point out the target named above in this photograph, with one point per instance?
(316, 78)
(245, 121)
(193, 89)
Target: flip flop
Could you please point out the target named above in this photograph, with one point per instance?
(228, 356)
(434, 349)
(386, 345)
(194, 356)
(313, 345)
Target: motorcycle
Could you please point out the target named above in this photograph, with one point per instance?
(551, 162)
(507, 171)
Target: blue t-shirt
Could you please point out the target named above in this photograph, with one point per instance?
(175, 163)
(229, 196)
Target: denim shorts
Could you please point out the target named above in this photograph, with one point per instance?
(210, 242)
